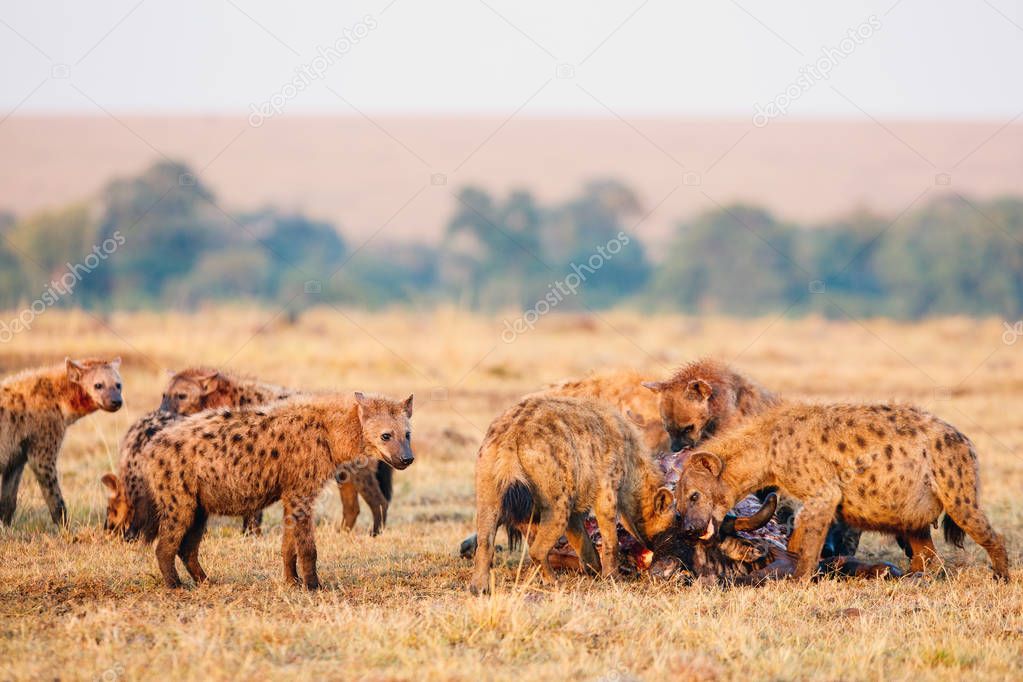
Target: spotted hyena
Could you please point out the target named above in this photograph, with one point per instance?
(707, 398)
(130, 508)
(888, 468)
(236, 462)
(36, 407)
(552, 460)
(623, 389)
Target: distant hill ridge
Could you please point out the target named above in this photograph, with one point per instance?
(399, 174)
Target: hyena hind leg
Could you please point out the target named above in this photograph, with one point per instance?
(252, 523)
(486, 531)
(550, 529)
(189, 548)
(975, 524)
(962, 506)
(922, 551)
(581, 543)
(168, 545)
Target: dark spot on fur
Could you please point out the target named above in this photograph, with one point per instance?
(841, 447)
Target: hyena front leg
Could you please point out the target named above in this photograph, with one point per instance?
(606, 511)
(369, 489)
(349, 499)
(42, 459)
(812, 524)
(11, 482)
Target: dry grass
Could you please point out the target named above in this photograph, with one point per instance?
(81, 605)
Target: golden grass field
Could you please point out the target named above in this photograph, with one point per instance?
(80, 605)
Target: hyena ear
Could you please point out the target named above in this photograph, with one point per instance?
(655, 386)
(636, 419)
(74, 371)
(706, 461)
(408, 406)
(112, 484)
(699, 388)
(208, 383)
(116, 362)
(663, 499)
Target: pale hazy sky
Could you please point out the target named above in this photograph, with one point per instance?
(944, 59)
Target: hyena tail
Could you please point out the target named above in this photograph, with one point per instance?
(953, 534)
(516, 510)
(385, 476)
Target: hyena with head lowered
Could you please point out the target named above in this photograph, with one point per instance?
(552, 460)
(706, 398)
(887, 468)
(236, 462)
(36, 407)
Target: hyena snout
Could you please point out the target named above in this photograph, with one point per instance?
(402, 459)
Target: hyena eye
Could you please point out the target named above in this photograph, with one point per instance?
(408, 435)
(97, 386)
(687, 430)
(385, 436)
(695, 497)
(118, 386)
(181, 396)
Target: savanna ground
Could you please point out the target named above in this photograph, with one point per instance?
(78, 604)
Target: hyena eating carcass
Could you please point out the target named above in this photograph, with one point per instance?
(36, 408)
(552, 460)
(236, 462)
(706, 398)
(888, 468)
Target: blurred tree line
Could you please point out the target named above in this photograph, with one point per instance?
(162, 239)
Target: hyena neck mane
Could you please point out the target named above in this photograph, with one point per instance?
(233, 391)
(745, 455)
(50, 389)
(340, 419)
(643, 478)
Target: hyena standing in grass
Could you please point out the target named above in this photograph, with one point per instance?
(552, 460)
(200, 389)
(236, 462)
(887, 468)
(130, 509)
(706, 398)
(36, 407)
(622, 389)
